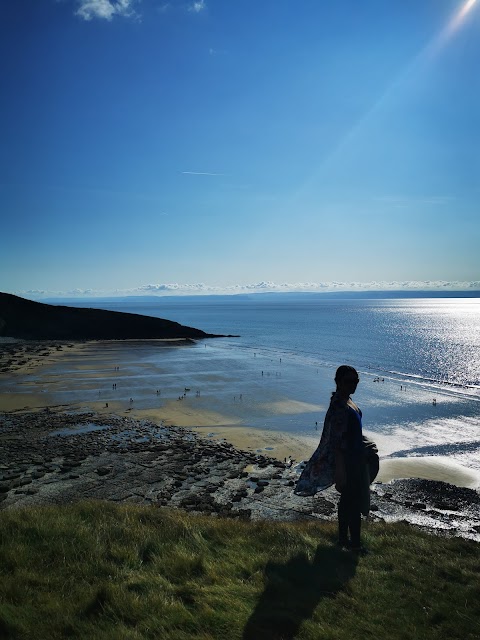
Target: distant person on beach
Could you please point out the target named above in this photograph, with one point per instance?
(345, 458)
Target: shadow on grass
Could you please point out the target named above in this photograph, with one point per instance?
(294, 589)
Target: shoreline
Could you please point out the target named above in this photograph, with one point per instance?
(29, 360)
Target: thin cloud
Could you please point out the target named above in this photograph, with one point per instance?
(200, 288)
(217, 52)
(201, 173)
(197, 6)
(105, 9)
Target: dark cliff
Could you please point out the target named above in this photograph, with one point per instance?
(20, 318)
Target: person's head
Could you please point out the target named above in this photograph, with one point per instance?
(346, 378)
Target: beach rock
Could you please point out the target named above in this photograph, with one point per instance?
(324, 506)
(103, 471)
(419, 505)
(11, 476)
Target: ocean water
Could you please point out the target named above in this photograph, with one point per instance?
(408, 352)
(433, 340)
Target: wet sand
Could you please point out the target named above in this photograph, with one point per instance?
(22, 357)
(272, 443)
(429, 468)
(32, 374)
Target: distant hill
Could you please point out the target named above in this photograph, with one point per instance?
(270, 296)
(20, 318)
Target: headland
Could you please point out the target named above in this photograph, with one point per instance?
(21, 318)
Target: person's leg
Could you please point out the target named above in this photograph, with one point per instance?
(349, 516)
(355, 523)
(343, 520)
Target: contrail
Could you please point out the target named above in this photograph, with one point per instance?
(201, 173)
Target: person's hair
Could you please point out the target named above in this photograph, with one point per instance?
(343, 371)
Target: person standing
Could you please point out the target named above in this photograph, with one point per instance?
(345, 458)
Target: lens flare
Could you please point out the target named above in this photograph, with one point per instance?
(459, 17)
(425, 56)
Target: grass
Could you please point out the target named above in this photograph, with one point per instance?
(98, 570)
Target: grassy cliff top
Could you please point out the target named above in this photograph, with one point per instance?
(103, 571)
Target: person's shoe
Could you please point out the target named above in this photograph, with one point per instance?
(359, 551)
(345, 545)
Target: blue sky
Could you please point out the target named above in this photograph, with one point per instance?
(219, 145)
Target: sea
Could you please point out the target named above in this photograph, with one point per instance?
(418, 359)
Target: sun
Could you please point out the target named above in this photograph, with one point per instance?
(461, 14)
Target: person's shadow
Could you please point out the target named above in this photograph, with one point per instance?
(294, 589)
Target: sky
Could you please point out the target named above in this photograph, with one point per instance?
(228, 145)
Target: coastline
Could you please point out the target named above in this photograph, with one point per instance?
(75, 456)
(35, 369)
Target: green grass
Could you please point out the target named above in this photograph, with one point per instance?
(97, 570)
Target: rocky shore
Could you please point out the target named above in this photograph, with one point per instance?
(17, 356)
(60, 457)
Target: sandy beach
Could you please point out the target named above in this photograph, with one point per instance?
(78, 376)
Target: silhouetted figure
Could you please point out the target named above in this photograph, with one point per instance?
(345, 458)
